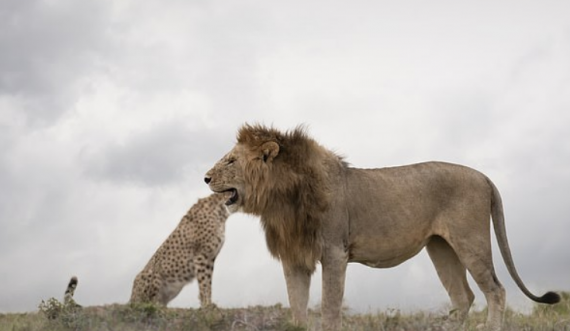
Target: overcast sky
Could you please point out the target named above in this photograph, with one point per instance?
(112, 111)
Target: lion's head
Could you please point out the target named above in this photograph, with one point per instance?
(283, 178)
(227, 176)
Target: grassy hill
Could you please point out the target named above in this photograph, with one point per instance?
(53, 316)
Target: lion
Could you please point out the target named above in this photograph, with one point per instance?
(315, 207)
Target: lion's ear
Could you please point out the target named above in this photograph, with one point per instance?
(269, 150)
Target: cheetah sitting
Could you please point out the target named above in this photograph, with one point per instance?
(189, 252)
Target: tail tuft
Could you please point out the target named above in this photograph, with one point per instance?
(550, 298)
(72, 283)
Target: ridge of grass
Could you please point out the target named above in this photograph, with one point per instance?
(52, 315)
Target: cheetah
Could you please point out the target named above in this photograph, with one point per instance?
(189, 252)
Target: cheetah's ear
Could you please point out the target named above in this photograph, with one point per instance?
(269, 151)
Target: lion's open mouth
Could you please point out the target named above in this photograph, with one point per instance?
(232, 195)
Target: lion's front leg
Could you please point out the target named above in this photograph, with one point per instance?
(334, 264)
(298, 281)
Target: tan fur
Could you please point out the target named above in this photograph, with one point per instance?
(314, 207)
(189, 252)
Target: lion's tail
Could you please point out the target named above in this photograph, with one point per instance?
(501, 233)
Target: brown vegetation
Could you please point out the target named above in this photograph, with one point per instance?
(53, 316)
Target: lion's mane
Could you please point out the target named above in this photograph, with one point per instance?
(290, 193)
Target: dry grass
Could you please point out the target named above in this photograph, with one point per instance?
(53, 316)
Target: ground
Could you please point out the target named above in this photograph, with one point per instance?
(149, 317)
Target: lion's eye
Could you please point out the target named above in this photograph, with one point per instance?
(231, 161)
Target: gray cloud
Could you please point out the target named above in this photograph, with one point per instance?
(47, 48)
(159, 156)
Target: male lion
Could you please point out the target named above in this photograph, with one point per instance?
(314, 207)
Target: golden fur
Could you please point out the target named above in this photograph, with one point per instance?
(314, 207)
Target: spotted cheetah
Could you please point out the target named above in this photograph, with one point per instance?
(189, 252)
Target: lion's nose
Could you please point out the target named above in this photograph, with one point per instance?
(207, 180)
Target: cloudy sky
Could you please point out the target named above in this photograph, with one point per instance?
(112, 111)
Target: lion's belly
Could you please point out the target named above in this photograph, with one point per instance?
(384, 241)
(377, 255)
(394, 211)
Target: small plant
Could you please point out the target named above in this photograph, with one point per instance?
(148, 310)
(141, 312)
(211, 316)
(51, 308)
(65, 315)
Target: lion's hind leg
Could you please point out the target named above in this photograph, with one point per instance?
(474, 251)
(453, 276)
